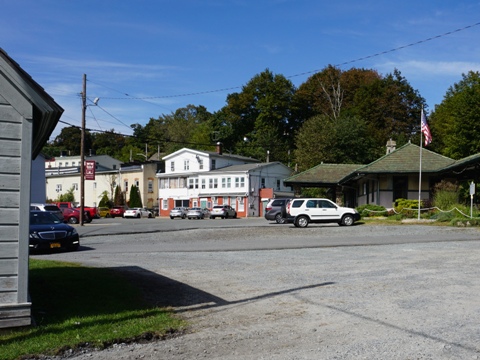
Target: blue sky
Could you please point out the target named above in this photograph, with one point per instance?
(145, 58)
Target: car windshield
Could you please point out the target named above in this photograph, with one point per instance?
(196, 209)
(42, 218)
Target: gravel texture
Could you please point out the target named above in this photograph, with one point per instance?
(399, 301)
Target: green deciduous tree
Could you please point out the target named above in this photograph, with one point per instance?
(455, 123)
(344, 140)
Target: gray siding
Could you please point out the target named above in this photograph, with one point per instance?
(15, 310)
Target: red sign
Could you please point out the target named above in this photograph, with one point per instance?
(90, 170)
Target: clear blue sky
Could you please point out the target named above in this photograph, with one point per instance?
(160, 51)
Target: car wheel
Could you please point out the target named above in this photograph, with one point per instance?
(301, 221)
(107, 216)
(150, 216)
(212, 217)
(184, 216)
(347, 220)
(279, 219)
(226, 216)
(235, 215)
(138, 216)
(73, 220)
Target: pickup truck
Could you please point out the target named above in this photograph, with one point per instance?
(92, 210)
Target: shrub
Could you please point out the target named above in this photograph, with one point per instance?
(369, 210)
(403, 205)
(445, 195)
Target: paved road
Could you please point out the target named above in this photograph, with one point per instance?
(164, 234)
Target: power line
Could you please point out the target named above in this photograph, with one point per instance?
(303, 73)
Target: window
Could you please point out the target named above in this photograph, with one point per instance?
(224, 183)
(75, 186)
(150, 186)
(94, 185)
(204, 183)
(263, 183)
(278, 184)
(200, 164)
(60, 164)
(59, 187)
(165, 204)
(186, 165)
(214, 164)
(125, 185)
(229, 183)
(137, 183)
(73, 163)
(190, 183)
(239, 182)
(172, 165)
(215, 183)
(114, 167)
(66, 163)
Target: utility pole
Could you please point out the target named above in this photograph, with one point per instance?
(82, 150)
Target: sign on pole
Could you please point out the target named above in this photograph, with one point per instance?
(90, 170)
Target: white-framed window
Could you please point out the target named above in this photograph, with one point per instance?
(229, 183)
(186, 165)
(204, 181)
(190, 183)
(60, 164)
(224, 183)
(165, 204)
(225, 200)
(73, 163)
(75, 186)
(240, 182)
(195, 203)
(200, 164)
(214, 164)
(240, 203)
(172, 165)
(59, 187)
(66, 163)
(125, 185)
(137, 183)
(150, 186)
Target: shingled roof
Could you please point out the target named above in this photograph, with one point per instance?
(406, 159)
(325, 174)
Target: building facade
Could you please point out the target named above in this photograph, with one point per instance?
(200, 178)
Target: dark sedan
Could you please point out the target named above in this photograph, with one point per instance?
(47, 232)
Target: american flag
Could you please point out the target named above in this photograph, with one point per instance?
(426, 130)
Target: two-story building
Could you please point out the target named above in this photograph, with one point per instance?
(204, 178)
(63, 174)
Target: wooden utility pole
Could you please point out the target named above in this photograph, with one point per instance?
(82, 150)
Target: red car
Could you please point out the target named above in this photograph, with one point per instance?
(72, 215)
(117, 211)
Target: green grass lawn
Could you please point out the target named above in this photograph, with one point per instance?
(75, 306)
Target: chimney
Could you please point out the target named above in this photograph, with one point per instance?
(391, 145)
(219, 148)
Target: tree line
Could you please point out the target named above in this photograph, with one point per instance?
(335, 116)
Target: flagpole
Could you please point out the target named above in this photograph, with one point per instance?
(420, 173)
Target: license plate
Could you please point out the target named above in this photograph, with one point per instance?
(54, 245)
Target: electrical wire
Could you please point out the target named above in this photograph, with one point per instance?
(303, 73)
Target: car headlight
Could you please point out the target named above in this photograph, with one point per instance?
(34, 235)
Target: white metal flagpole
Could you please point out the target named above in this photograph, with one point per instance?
(420, 173)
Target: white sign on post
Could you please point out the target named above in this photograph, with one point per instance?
(472, 192)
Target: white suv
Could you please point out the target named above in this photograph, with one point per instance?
(305, 211)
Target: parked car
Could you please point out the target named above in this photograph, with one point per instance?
(307, 211)
(104, 212)
(48, 232)
(54, 209)
(276, 209)
(117, 211)
(92, 210)
(197, 213)
(137, 213)
(72, 215)
(180, 212)
(223, 211)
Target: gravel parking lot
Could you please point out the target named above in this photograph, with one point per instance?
(399, 301)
